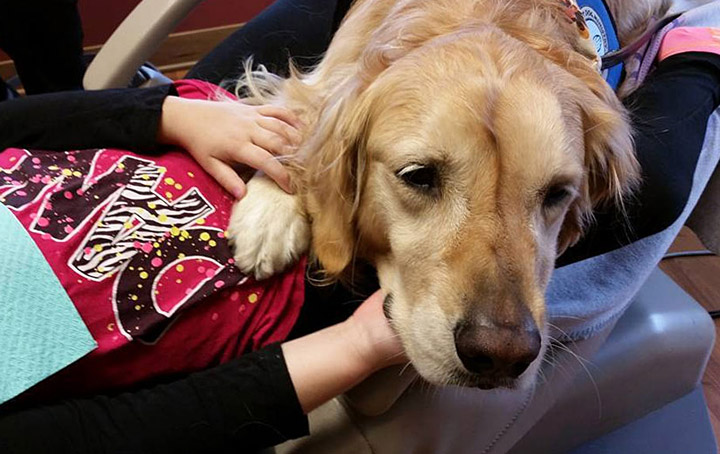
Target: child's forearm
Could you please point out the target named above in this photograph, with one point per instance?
(326, 364)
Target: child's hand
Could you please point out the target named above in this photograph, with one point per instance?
(220, 135)
(374, 339)
(331, 361)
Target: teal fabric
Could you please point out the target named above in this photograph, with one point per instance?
(40, 330)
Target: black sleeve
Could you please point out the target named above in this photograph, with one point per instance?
(121, 118)
(241, 406)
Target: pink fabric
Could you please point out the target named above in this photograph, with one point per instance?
(139, 244)
(690, 39)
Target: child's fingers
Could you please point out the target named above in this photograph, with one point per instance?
(227, 177)
(281, 114)
(274, 143)
(281, 128)
(261, 159)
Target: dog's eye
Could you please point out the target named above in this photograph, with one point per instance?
(555, 196)
(423, 177)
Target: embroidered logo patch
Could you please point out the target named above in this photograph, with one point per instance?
(598, 33)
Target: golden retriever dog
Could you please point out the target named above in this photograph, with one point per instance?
(458, 146)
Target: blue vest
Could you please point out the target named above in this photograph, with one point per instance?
(603, 34)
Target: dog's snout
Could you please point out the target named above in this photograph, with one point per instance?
(497, 352)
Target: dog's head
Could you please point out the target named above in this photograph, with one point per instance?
(460, 170)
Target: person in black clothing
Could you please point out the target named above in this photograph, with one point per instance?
(44, 39)
(259, 400)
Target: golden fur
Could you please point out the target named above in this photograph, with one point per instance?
(498, 98)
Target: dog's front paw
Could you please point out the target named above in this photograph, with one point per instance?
(268, 229)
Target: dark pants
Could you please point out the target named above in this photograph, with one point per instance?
(300, 30)
(44, 39)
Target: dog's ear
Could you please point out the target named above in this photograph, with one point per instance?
(335, 176)
(612, 171)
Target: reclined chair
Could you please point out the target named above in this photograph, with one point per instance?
(629, 384)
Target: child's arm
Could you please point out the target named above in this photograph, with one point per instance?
(217, 134)
(75, 120)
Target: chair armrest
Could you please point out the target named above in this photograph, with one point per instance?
(134, 41)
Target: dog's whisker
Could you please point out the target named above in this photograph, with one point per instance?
(582, 361)
(569, 317)
(402, 371)
(567, 337)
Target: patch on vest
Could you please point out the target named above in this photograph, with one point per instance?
(598, 33)
(602, 35)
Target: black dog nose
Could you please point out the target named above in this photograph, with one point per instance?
(497, 351)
